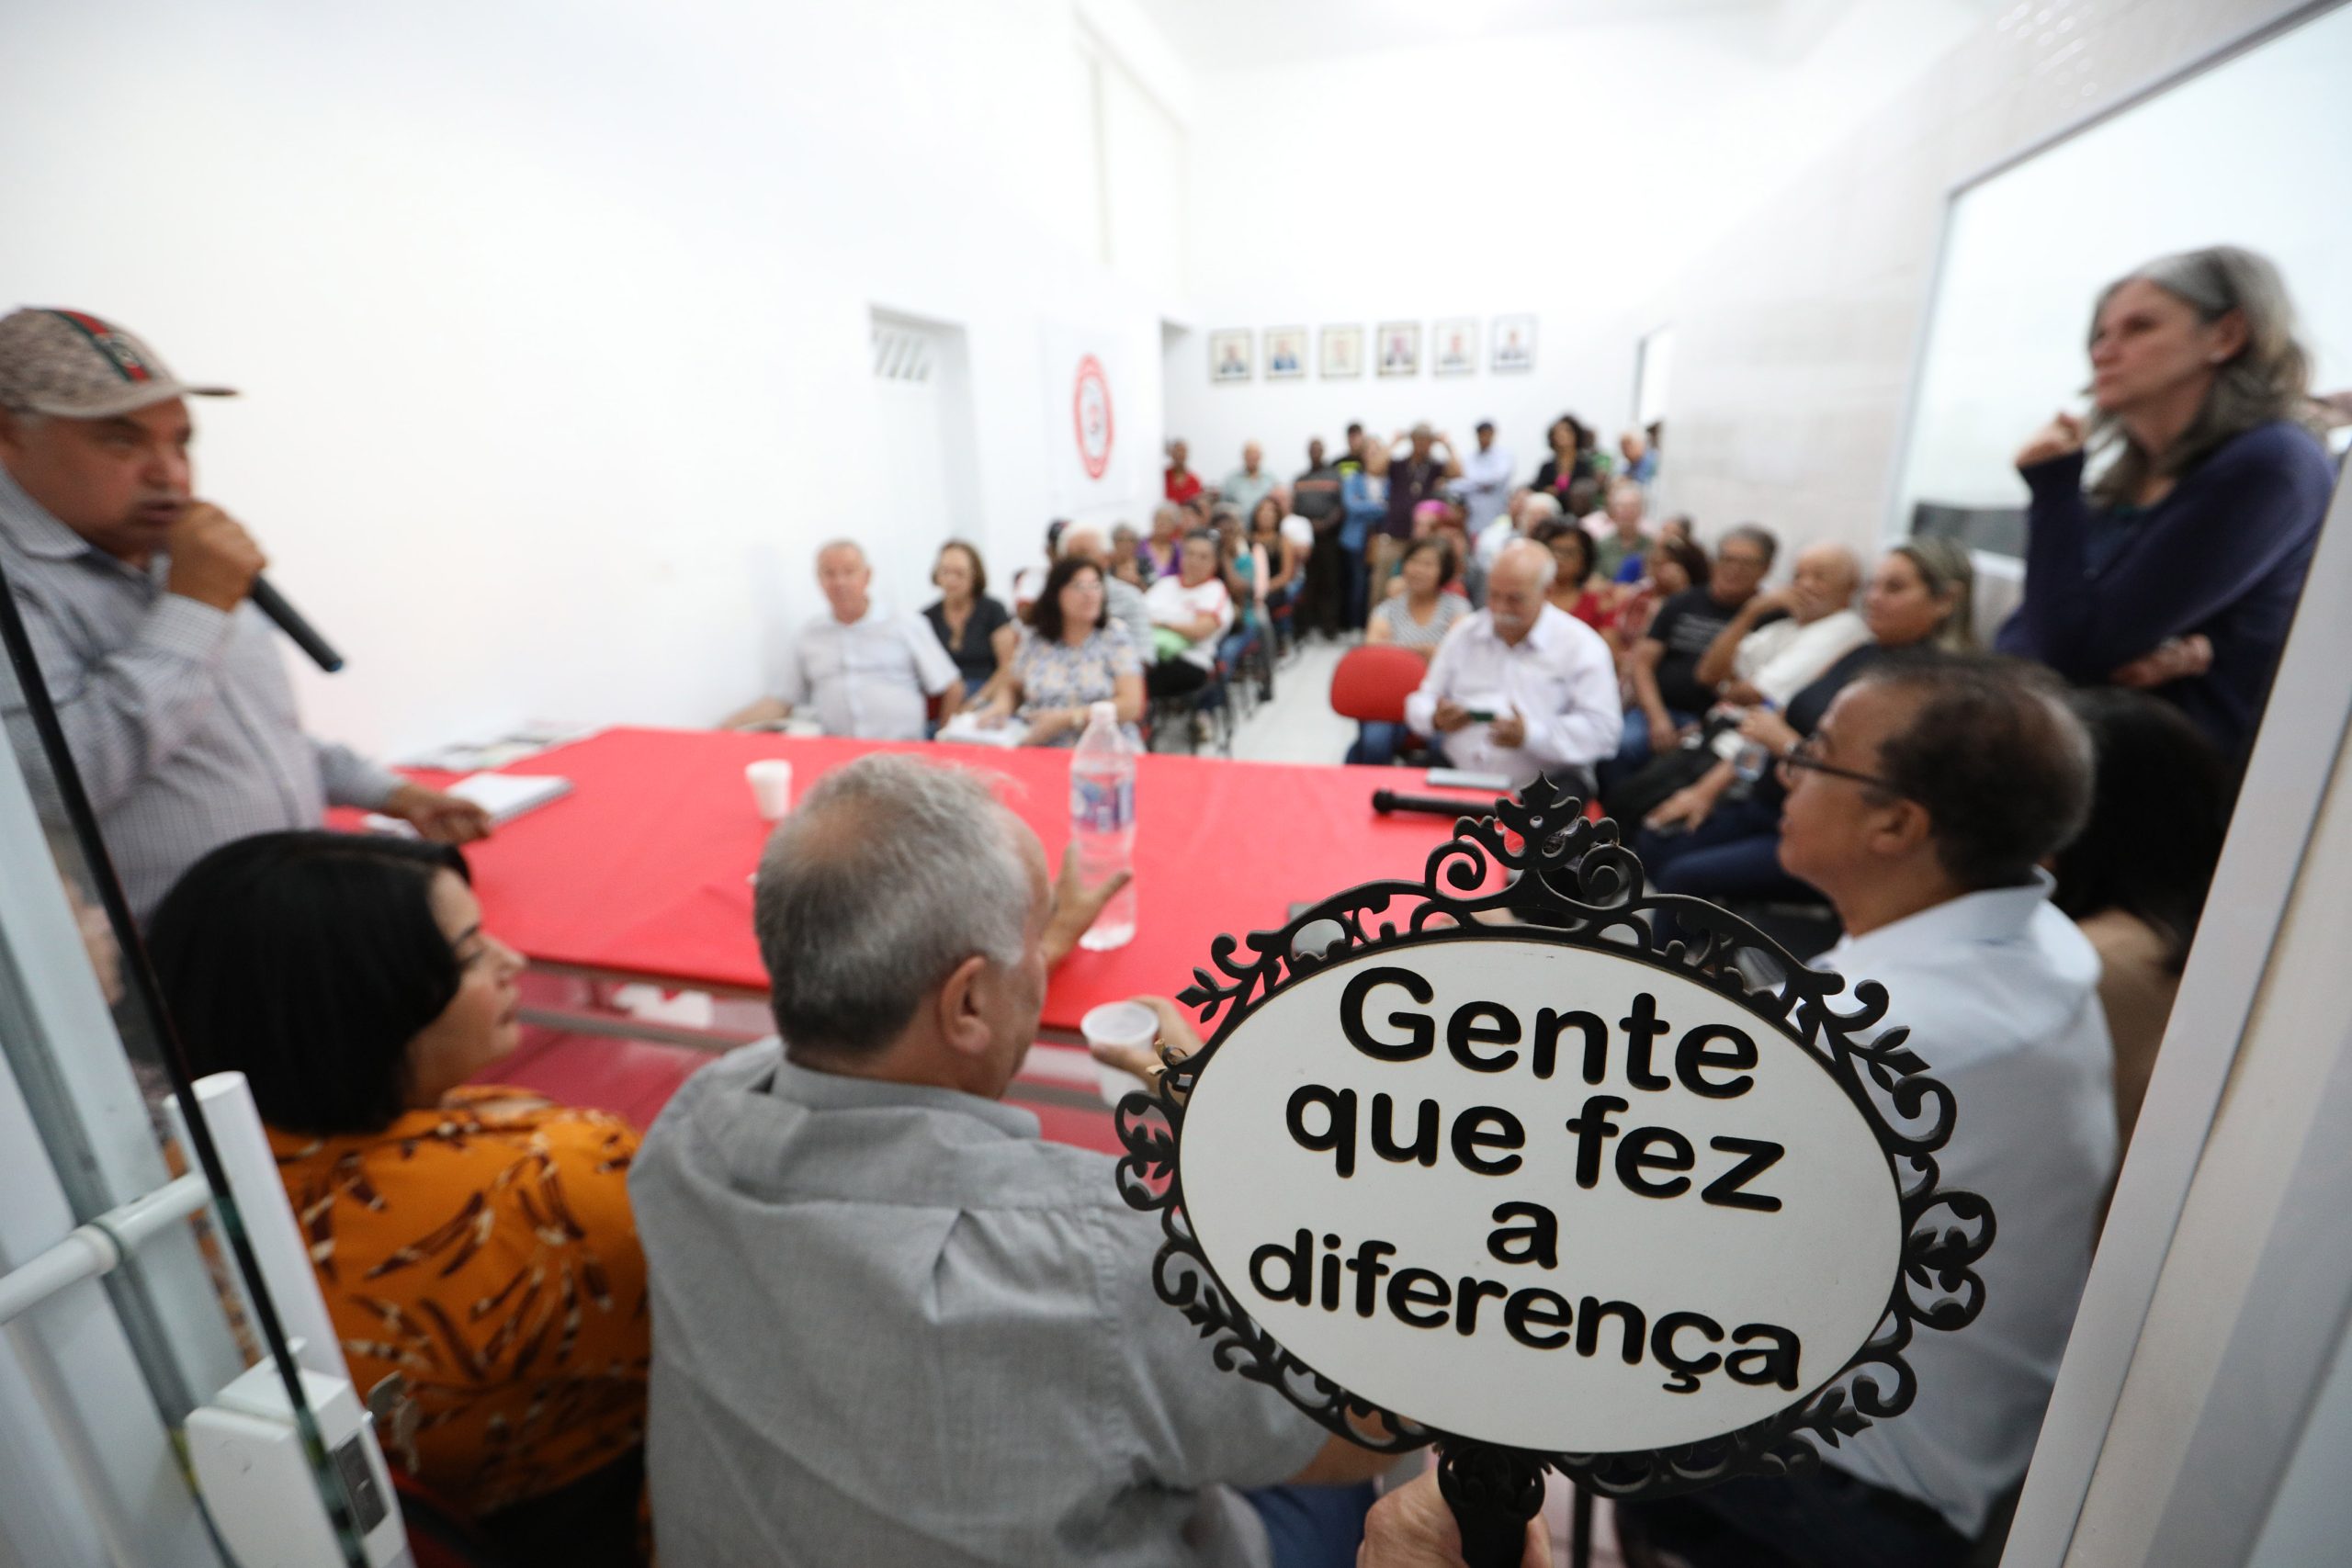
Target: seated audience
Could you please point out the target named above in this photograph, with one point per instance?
(1180, 484)
(974, 629)
(1782, 638)
(1418, 618)
(895, 1325)
(1324, 587)
(1070, 656)
(1029, 579)
(1167, 541)
(1575, 588)
(1418, 475)
(1125, 597)
(173, 696)
(1518, 688)
(1719, 841)
(1487, 543)
(475, 1240)
(1622, 534)
(1420, 614)
(1570, 459)
(1923, 806)
(2136, 876)
(2179, 570)
(1673, 565)
(1274, 548)
(1126, 541)
(1246, 486)
(1364, 500)
(1190, 612)
(1484, 483)
(1640, 462)
(1663, 669)
(864, 668)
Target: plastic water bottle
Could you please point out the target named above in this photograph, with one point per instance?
(1103, 822)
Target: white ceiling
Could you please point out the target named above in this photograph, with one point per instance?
(1226, 35)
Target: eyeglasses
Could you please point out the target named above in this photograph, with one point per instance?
(1805, 755)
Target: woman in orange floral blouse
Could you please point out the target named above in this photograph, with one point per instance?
(475, 1241)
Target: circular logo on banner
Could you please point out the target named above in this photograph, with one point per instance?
(1576, 1186)
(1091, 408)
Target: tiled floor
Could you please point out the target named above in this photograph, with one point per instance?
(1298, 726)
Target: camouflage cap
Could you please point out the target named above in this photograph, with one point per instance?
(75, 365)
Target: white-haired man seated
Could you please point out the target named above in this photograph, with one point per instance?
(891, 1324)
(1521, 687)
(864, 668)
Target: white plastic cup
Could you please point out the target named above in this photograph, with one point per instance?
(1119, 1024)
(771, 781)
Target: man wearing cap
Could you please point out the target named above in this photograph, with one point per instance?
(1484, 483)
(174, 704)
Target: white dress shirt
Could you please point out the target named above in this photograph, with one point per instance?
(1485, 486)
(2000, 993)
(1559, 678)
(867, 678)
(1783, 659)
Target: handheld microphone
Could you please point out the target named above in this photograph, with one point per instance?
(1386, 801)
(288, 619)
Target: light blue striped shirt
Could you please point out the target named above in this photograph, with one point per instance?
(180, 718)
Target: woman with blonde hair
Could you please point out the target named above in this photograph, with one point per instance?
(2178, 570)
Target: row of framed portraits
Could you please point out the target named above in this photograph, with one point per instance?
(1396, 349)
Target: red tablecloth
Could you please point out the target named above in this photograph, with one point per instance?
(644, 868)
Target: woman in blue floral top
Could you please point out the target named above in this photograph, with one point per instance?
(1071, 655)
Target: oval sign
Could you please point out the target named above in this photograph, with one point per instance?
(1541, 1195)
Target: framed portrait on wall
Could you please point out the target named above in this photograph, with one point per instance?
(1515, 343)
(1342, 352)
(1229, 352)
(1400, 348)
(1285, 352)
(1453, 346)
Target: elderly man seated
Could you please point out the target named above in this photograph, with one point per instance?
(1780, 642)
(864, 668)
(1924, 806)
(1521, 687)
(891, 1324)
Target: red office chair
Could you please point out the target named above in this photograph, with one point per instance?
(1373, 681)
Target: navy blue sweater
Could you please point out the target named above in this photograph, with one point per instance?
(2224, 554)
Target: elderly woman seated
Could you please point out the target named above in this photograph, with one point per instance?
(1189, 612)
(476, 1241)
(1071, 655)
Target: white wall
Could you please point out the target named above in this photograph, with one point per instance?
(552, 319)
(1565, 173)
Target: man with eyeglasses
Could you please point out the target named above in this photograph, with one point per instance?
(1922, 806)
(1669, 696)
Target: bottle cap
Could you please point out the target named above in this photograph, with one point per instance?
(1109, 711)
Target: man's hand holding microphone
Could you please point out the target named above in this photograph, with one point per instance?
(213, 560)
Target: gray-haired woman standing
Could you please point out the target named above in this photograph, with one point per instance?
(2178, 569)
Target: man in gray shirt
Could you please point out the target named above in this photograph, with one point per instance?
(891, 1323)
(170, 688)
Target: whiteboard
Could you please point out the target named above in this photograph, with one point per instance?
(2252, 152)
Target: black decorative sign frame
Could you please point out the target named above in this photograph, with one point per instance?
(1571, 877)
